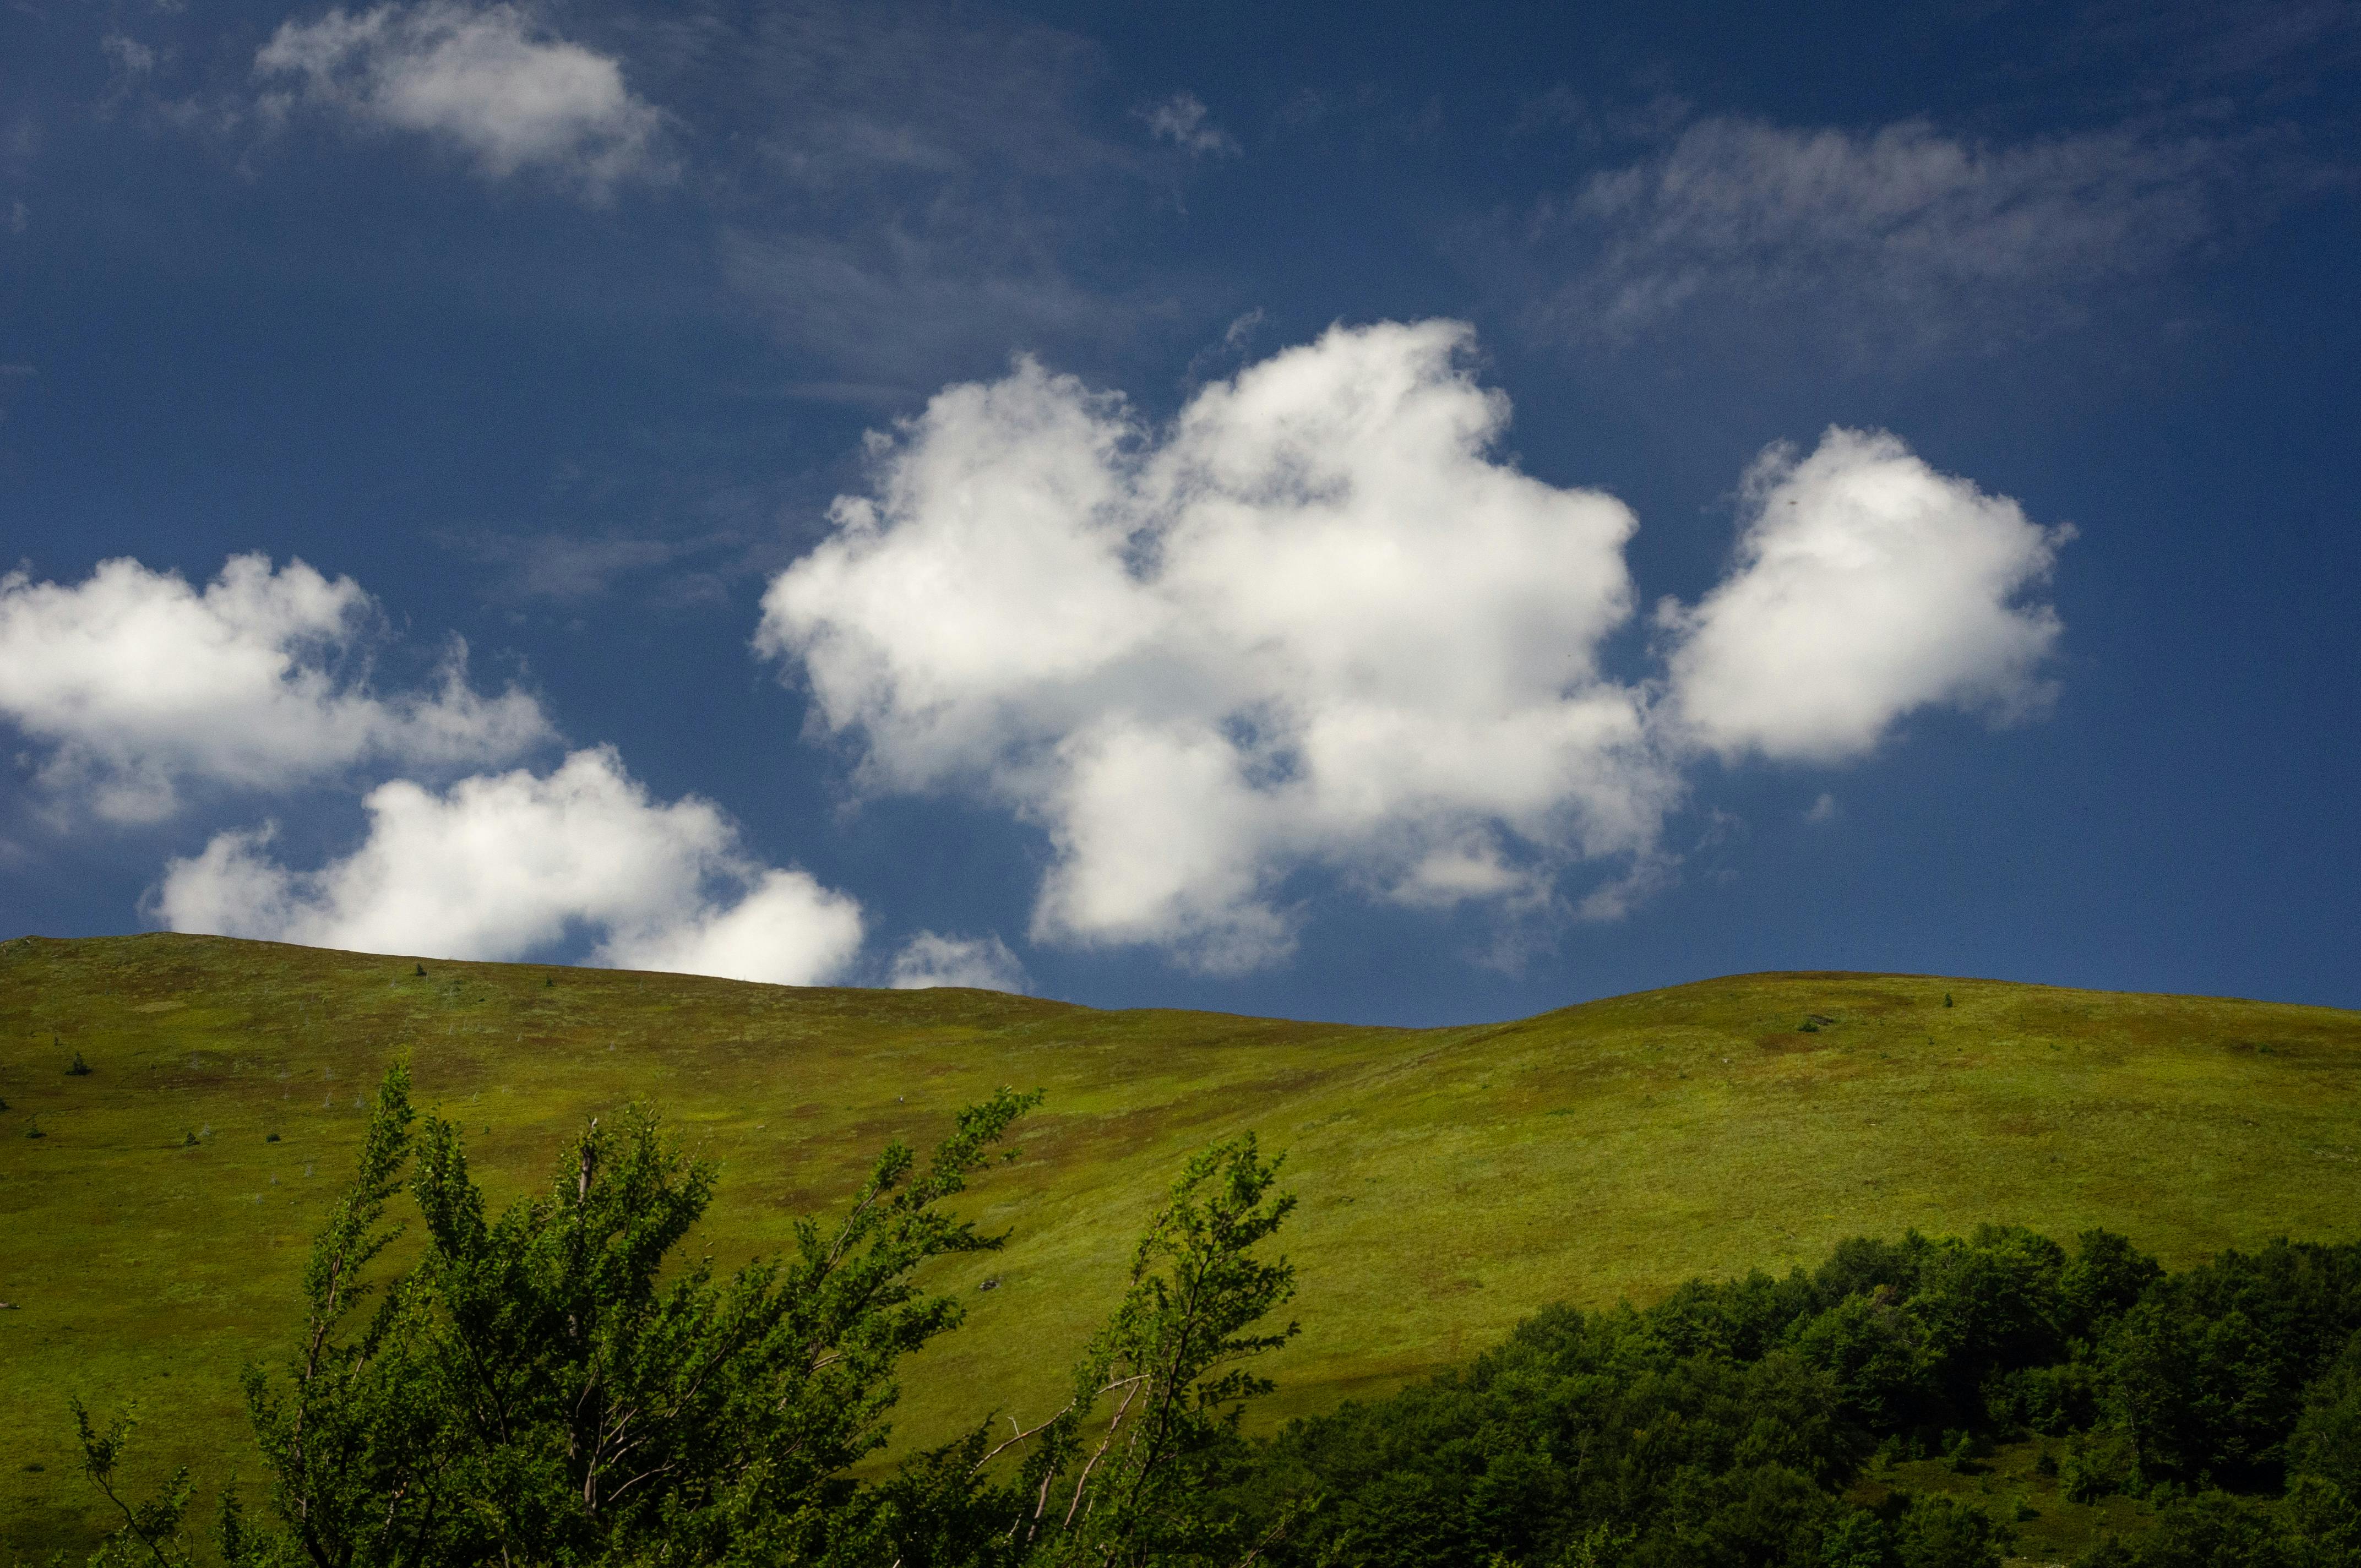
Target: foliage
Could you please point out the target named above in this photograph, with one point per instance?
(1129, 1471)
(538, 1387)
(505, 1395)
(1742, 1422)
(542, 1387)
(150, 1535)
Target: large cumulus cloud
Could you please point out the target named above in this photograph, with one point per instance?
(1318, 621)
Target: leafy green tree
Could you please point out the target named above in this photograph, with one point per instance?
(1130, 1471)
(543, 1387)
(534, 1390)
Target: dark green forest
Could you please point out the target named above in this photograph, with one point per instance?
(1735, 1422)
(564, 1382)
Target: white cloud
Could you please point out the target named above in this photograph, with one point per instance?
(1899, 232)
(487, 78)
(504, 866)
(1866, 585)
(1182, 120)
(136, 684)
(1315, 621)
(930, 959)
(1824, 809)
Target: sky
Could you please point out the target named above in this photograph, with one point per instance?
(1392, 514)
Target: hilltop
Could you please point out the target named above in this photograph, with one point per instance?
(1452, 1180)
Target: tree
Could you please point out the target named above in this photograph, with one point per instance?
(538, 1387)
(534, 1390)
(1129, 1471)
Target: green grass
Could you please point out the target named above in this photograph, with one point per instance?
(1451, 1181)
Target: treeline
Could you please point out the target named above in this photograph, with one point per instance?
(1732, 1424)
(550, 1385)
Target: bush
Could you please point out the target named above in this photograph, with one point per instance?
(1938, 1532)
(2327, 1439)
(2098, 1465)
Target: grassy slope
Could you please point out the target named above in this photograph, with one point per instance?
(1452, 1179)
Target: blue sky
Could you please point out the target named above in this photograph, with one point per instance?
(1405, 515)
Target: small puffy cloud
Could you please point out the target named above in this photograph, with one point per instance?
(487, 80)
(1866, 585)
(505, 866)
(928, 959)
(1902, 232)
(1824, 809)
(1183, 121)
(134, 685)
(1315, 621)
(1318, 623)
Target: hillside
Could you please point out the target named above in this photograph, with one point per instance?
(1452, 1179)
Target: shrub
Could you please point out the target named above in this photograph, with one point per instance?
(1940, 1533)
(2098, 1465)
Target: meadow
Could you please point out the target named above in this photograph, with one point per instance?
(1451, 1181)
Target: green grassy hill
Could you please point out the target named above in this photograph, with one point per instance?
(1452, 1179)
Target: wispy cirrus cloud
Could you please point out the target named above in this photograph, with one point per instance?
(918, 189)
(1185, 122)
(1904, 234)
